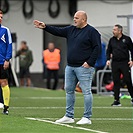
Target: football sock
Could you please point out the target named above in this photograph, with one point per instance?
(1, 96)
(6, 95)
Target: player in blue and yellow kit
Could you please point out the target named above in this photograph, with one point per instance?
(5, 56)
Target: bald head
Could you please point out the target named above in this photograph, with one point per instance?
(82, 14)
(80, 19)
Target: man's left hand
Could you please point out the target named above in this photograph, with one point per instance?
(86, 65)
(130, 63)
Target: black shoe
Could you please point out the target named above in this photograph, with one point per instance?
(5, 111)
(116, 103)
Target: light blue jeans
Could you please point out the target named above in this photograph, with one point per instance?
(84, 76)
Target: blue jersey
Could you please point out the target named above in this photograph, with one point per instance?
(5, 44)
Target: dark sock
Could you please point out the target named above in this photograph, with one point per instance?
(1, 96)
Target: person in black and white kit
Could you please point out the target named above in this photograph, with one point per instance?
(118, 49)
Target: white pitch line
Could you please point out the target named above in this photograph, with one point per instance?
(98, 119)
(52, 98)
(65, 107)
(66, 125)
(44, 98)
(49, 98)
(113, 119)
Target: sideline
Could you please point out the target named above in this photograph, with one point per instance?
(65, 125)
(75, 107)
(57, 98)
(96, 119)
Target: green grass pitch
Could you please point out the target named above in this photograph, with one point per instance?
(34, 110)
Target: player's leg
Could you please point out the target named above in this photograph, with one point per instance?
(28, 80)
(126, 71)
(5, 88)
(28, 77)
(55, 74)
(70, 84)
(49, 74)
(116, 79)
(85, 76)
(1, 98)
(6, 94)
(21, 81)
(21, 76)
(1, 95)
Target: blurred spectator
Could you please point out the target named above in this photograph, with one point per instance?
(25, 61)
(51, 58)
(101, 62)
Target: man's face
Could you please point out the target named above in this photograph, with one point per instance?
(23, 46)
(50, 46)
(78, 20)
(1, 18)
(116, 31)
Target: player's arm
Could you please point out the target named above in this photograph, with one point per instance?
(9, 45)
(57, 31)
(130, 47)
(30, 58)
(9, 49)
(108, 53)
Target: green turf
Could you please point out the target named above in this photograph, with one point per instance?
(50, 105)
